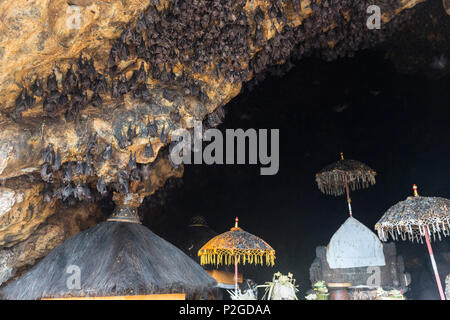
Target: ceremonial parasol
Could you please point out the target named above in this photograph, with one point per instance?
(417, 217)
(236, 246)
(336, 178)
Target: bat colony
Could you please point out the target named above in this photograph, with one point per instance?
(213, 37)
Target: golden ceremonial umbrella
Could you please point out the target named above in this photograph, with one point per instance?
(417, 218)
(236, 246)
(338, 177)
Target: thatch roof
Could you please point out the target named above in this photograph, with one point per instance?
(196, 237)
(115, 258)
(197, 234)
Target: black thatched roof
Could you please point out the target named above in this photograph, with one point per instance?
(197, 234)
(196, 237)
(115, 258)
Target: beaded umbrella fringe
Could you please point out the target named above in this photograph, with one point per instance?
(333, 178)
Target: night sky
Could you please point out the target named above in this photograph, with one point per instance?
(397, 124)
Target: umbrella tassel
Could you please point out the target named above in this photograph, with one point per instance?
(422, 231)
(403, 235)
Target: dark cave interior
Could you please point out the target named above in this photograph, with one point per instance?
(395, 123)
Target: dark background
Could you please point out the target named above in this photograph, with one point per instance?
(397, 124)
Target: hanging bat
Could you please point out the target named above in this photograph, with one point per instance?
(126, 35)
(148, 152)
(124, 52)
(57, 163)
(96, 100)
(101, 187)
(135, 175)
(92, 144)
(123, 86)
(107, 152)
(67, 172)
(141, 74)
(100, 84)
(67, 191)
(145, 172)
(24, 101)
(123, 142)
(70, 80)
(169, 94)
(152, 128)
(122, 182)
(79, 168)
(63, 100)
(52, 84)
(175, 116)
(146, 95)
(132, 162)
(48, 155)
(53, 97)
(46, 173)
(140, 23)
(131, 133)
(164, 136)
(89, 171)
(70, 114)
(115, 89)
(137, 93)
(37, 89)
(48, 193)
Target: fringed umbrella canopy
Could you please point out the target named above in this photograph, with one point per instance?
(333, 178)
(409, 218)
(115, 259)
(236, 246)
(416, 218)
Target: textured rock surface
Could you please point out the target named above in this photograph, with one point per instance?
(36, 232)
(63, 224)
(195, 58)
(37, 35)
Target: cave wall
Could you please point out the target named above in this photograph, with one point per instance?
(96, 83)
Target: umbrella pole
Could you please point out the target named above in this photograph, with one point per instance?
(235, 275)
(433, 263)
(349, 201)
